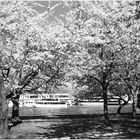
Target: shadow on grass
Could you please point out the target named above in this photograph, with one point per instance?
(130, 128)
(92, 128)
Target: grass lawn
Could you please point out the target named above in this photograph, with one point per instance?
(123, 126)
(71, 110)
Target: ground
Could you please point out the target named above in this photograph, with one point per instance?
(90, 127)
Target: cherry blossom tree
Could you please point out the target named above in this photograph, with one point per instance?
(102, 40)
(129, 70)
(13, 26)
(23, 44)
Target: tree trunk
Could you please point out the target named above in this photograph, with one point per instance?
(138, 101)
(121, 106)
(119, 109)
(15, 111)
(106, 115)
(134, 105)
(4, 129)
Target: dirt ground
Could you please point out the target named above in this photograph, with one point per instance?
(123, 127)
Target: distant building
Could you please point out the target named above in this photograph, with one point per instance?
(30, 100)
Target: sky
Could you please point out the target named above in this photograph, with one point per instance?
(58, 10)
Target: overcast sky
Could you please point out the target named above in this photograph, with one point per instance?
(58, 10)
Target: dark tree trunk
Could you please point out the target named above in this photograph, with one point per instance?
(15, 111)
(106, 115)
(119, 109)
(4, 129)
(134, 105)
(121, 105)
(138, 101)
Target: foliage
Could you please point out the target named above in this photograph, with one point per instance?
(105, 42)
(31, 56)
(29, 49)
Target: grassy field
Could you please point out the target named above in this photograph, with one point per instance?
(78, 126)
(71, 110)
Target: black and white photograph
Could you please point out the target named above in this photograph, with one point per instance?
(69, 69)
